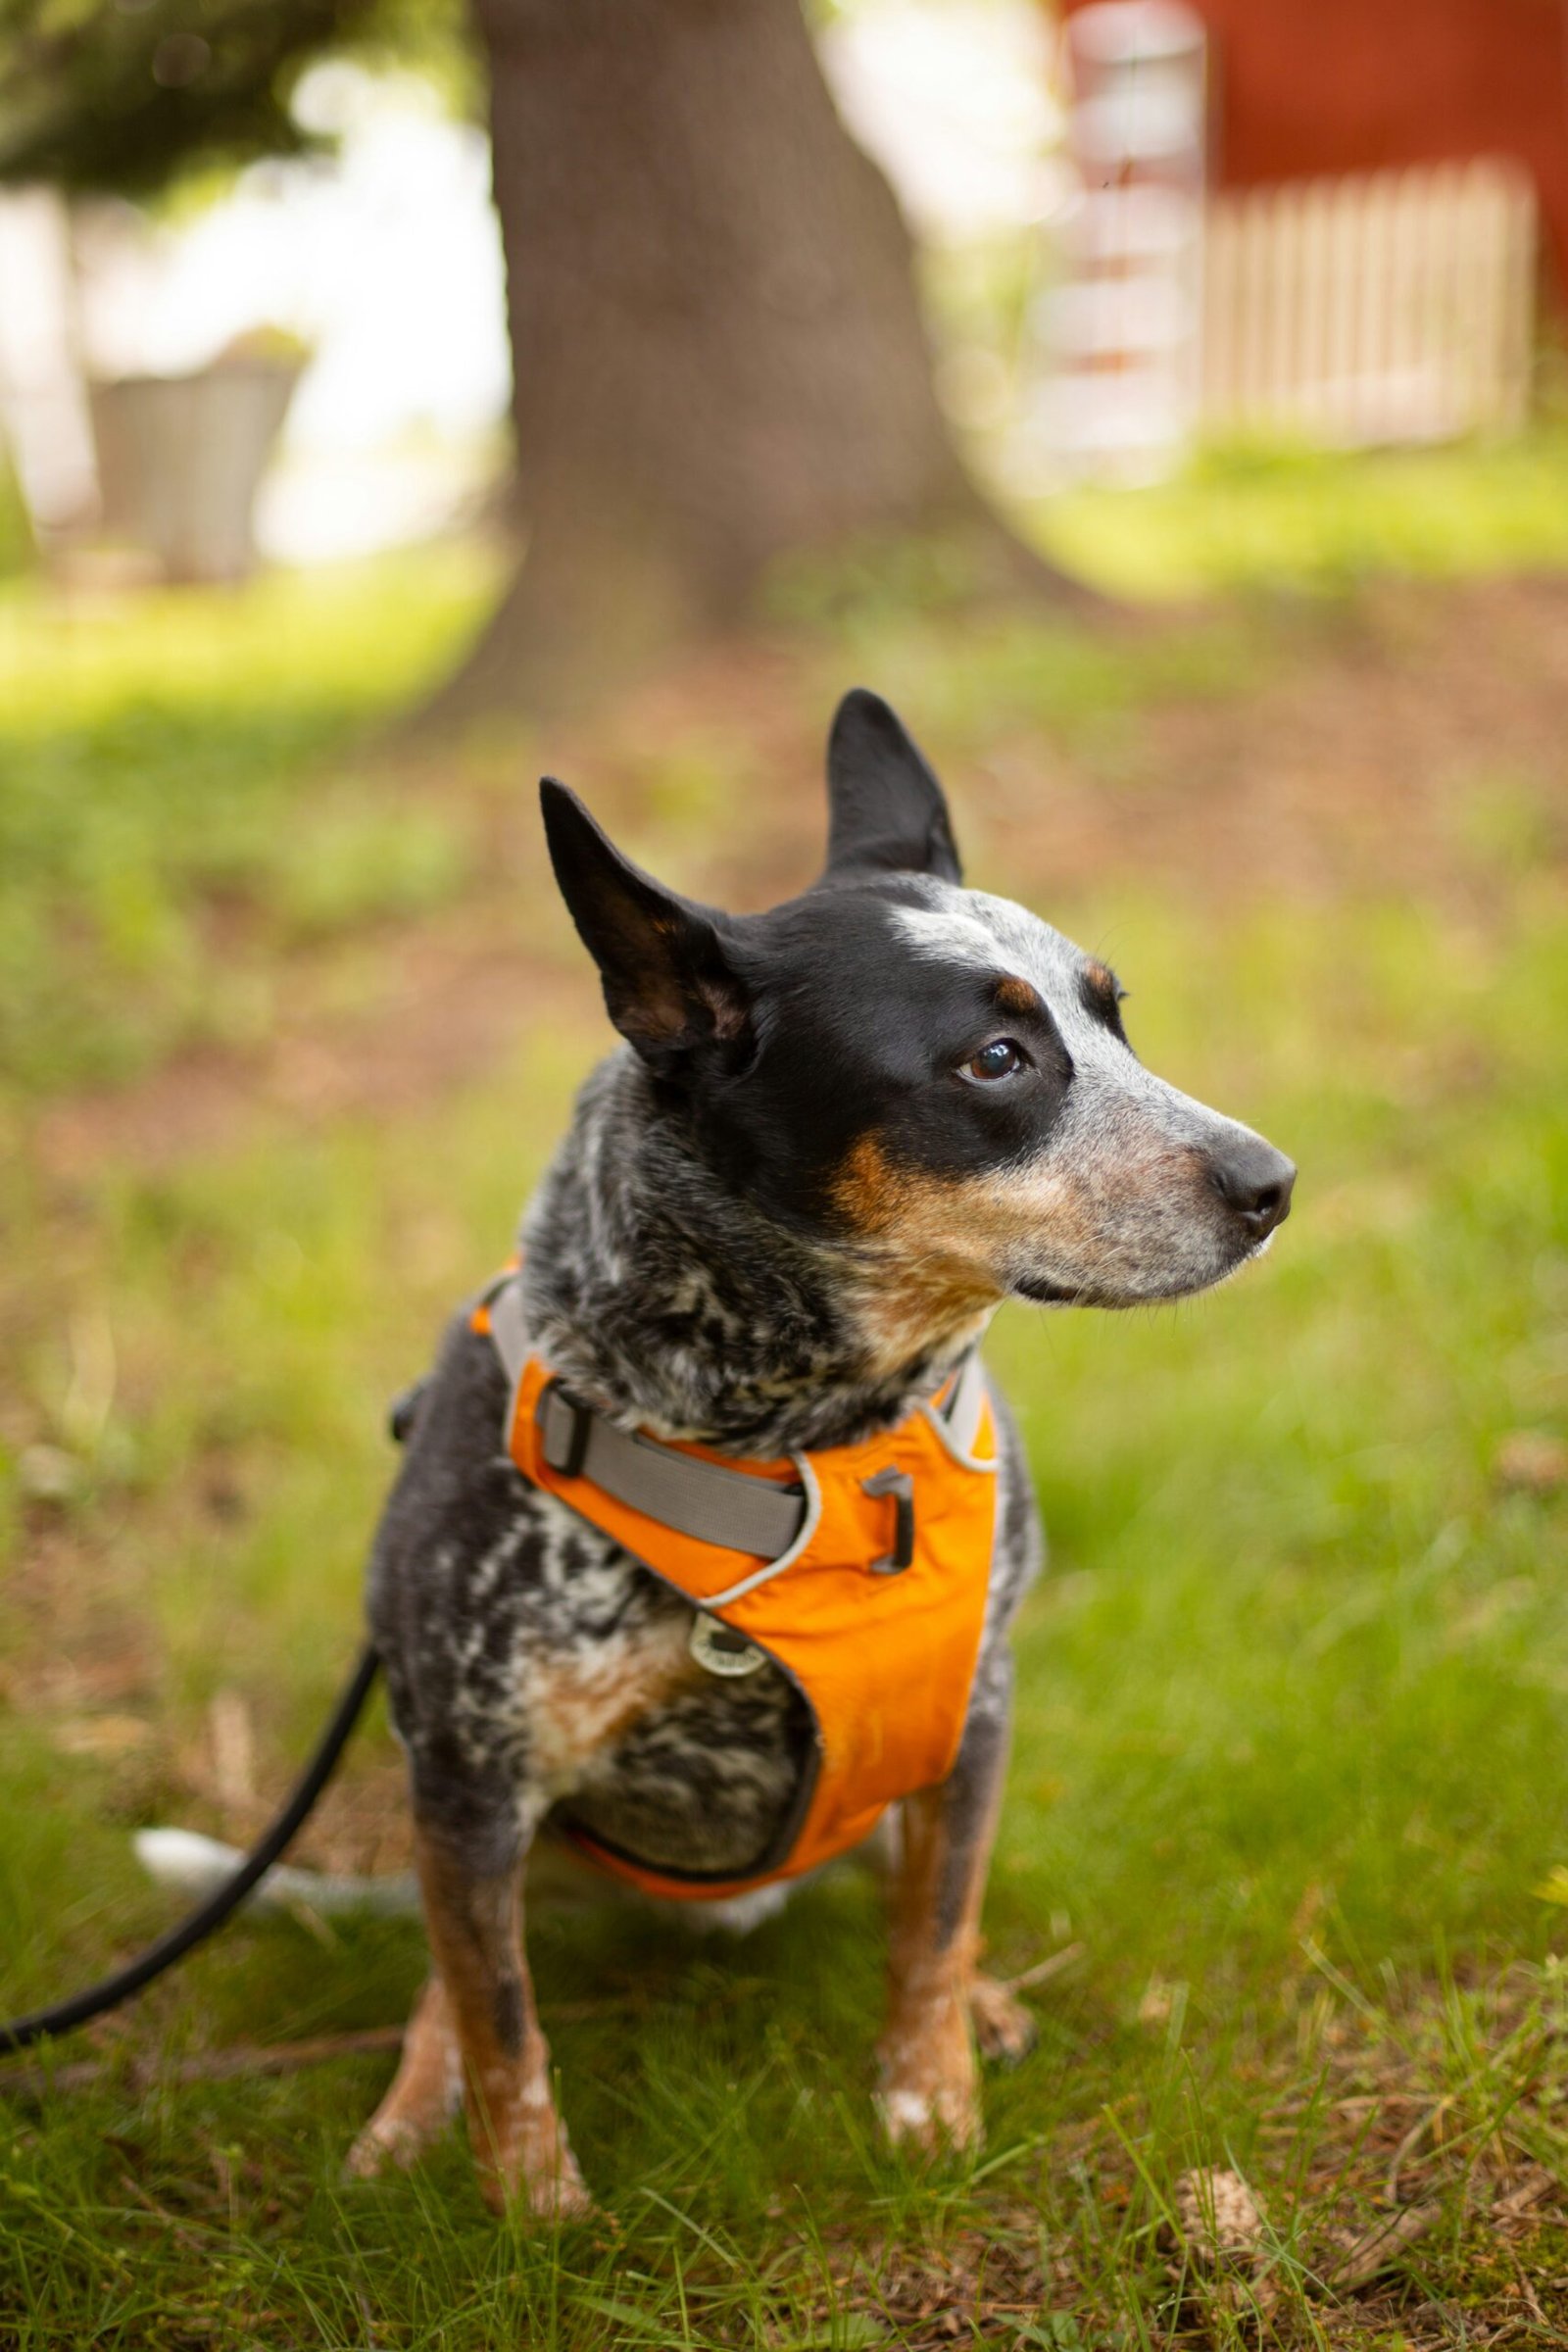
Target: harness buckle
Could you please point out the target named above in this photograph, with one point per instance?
(566, 1450)
(901, 1487)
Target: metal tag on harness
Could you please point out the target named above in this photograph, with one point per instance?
(719, 1648)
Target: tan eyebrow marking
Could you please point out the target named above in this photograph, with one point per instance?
(1014, 994)
(1101, 979)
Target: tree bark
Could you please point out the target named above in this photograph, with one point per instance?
(717, 348)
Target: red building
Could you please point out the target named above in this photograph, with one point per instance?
(1306, 88)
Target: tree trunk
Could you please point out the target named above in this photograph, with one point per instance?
(716, 343)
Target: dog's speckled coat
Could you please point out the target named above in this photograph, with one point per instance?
(839, 1135)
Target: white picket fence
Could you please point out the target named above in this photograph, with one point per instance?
(1380, 306)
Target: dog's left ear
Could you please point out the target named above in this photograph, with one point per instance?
(669, 986)
(887, 811)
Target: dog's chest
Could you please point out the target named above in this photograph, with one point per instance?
(534, 1663)
(568, 1701)
(551, 1658)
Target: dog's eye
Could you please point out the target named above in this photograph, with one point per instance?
(1004, 1057)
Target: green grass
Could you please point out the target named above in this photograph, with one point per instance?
(156, 846)
(1268, 516)
(1294, 1699)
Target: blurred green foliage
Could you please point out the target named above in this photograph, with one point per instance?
(152, 760)
(15, 530)
(1242, 520)
(99, 97)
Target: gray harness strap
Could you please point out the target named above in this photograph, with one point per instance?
(727, 1508)
(509, 1333)
(731, 1508)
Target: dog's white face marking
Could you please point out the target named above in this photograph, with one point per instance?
(1114, 1205)
(952, 933)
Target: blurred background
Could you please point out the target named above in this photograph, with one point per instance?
(255, 286)
(1166, 407)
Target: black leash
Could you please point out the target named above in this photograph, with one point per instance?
(23, 2031)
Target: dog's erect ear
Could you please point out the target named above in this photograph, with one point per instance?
(667, 985)
(888, 814)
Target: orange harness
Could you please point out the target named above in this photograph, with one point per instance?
(873, 1608)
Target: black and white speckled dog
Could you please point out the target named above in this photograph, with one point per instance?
(838, 1135)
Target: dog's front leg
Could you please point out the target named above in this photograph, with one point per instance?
(930, 2086)
(474, 1919)
(425, 2094)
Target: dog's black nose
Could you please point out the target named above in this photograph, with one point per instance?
(1256, 1182)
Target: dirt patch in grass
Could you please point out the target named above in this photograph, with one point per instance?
(1421, 749)
(436, 1005)
(1347, 762)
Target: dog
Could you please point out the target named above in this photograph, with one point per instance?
(835, 1138)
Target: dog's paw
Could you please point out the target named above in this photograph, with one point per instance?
(944, 2118)
(383, 2145)
(1003, 2028)
(548, 2189)
(563, 2197)
(930, 2092)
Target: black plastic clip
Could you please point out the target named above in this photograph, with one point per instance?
(900, 1486)
(571, 1462)
(403, 1411)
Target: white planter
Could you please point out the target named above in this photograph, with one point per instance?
(181, 458)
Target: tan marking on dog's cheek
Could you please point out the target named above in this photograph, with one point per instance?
(1013, 1209)
(867, 1193)
(951, 1249)
(1119, 1216)
(919, 1312)
(928, 1291)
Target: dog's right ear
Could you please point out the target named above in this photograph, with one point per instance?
(668, 987)
(887, 812)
